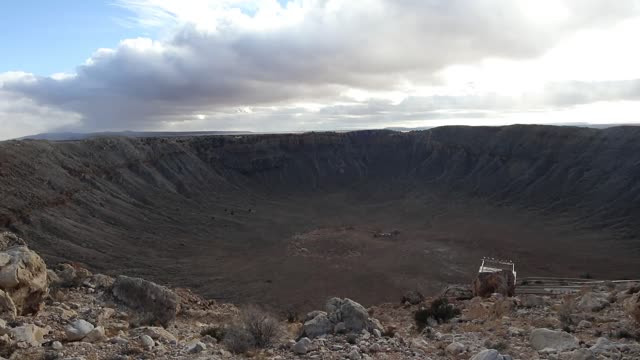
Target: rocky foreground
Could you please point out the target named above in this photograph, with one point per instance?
(66, 312)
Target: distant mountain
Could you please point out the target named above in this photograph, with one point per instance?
(66, 136)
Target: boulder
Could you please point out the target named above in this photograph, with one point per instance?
(23, 277)
(311, 315)
(580, 354)
(412, 297)
(354, 316)
(532, 301)
(147, 342)
(490, 354)
(96, 335)
(195, 347)
(455, 348)
(632, 306)
(101, 281)
(593, 301)
(30, 334)
(457, 292)
(77, 330)
(604, 347)
(541, 339)
(70, 275)
(154, 304)
(302, 347)
(7, 307)
(486, 284)
(8, 240)
(156, 333)
(318, 326)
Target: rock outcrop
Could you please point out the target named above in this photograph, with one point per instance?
(342, 315)
(23, 277)
(502, 283)
(154, 304)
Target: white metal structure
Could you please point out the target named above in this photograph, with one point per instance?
(495, 265)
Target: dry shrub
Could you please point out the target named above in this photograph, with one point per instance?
(566, 311)
(255, 328)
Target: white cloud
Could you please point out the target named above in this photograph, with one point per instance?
(353, 63)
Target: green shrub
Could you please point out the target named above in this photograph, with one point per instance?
(440, 310)
(215, 332)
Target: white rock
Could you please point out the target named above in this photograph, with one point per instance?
(78, 329)
(95, 335)
(196, 347)
(302, 346)
(455, 348)
(541, 339)
(593, 301)
(318, 326)
(580, 354)
(354, 354)
(56, 345)
(147, 341)
(490, 354)
(30, 334)
(603, 346)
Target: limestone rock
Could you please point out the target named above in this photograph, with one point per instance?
(156, 333)
(155, 304)
(101, 281)
(532, 301)
(70, 275)
(196, 347)
(302, 346)
(455, 348)
(354, 315)
(580, 354)
(541, 339)
(593, 301)
(95, 335)
(8, 240)
(78, 329)
(23, 277)
(318, 326)
(7, 307)
(147, 341)
(490, 354)
(311, 315)
(486, 284)
(30, 334)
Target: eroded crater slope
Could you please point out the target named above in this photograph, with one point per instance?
(296, 218)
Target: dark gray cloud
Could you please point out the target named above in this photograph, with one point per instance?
(371, 45)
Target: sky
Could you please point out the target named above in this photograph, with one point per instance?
(302, 65)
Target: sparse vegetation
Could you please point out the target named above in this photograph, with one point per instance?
(565, 313)
(255, 328)
(292, 315)
(216, 332)
(440, 310)
(586, 276)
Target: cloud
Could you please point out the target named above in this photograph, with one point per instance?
(224, 55)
